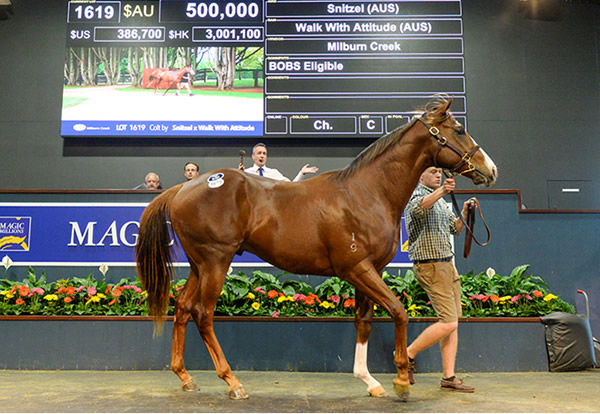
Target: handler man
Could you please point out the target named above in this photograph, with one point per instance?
(429, 222)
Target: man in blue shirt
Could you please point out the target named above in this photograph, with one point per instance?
(430, 222)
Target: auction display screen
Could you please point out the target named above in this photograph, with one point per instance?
(252, 68)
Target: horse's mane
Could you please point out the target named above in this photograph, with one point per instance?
(433, 113)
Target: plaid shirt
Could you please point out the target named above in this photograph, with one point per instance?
(429, 230)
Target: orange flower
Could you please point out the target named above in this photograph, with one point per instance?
(108, 289)
(406, 294)
(70, 291)
(537, 294)
(68, 299)
(495, 298)
(350, 303)
(272, 294)
(315, 297)
(116, 293)
(61, 290)
(310, 300)
(485, 298)
(112, 302)
(20, 301)
(24, 290)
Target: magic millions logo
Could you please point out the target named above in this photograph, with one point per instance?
(15, 233)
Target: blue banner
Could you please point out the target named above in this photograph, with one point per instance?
(66, 234)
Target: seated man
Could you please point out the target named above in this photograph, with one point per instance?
(151, 182)
(190, 170)
(259, 155)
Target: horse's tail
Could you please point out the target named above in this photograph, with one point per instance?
(153, 254)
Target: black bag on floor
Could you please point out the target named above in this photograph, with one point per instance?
(568, 342)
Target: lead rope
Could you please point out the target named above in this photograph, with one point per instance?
(469, 223)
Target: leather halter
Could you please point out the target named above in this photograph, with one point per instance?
(465, 158)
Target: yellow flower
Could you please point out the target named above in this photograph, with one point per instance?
(251, 296)
(51, 297)
(5, 292)
(549, 297)
(282, 299)
(10, 296)
(255, 305)
(413, 310)
(503, 299)
(326, 305)
(144, 293)
(96, 298)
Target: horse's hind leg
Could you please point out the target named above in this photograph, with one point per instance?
(212, 278)
(183, 308)
(363, 320)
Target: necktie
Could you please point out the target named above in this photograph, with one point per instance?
(260, 171)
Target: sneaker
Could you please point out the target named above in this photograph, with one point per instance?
(411, 371)
(455, 384)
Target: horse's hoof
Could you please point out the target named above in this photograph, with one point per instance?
(378, 392)
(190, 386)
(402, 390)
(238, 393)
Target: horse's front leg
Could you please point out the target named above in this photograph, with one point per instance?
(363, 320)
(365, 278)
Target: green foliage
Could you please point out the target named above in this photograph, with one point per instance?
(263, 294)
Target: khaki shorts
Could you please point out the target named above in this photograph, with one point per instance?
(442, 283)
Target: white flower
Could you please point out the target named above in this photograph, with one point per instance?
(6, 262)
(490, 272)
(229, 271)
(103, 269)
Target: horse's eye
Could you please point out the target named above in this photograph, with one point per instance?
(461, 131)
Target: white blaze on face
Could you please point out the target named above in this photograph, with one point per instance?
(360, 366)
(487, 161)
(490, 164)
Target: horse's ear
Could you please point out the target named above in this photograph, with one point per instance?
(444, 108)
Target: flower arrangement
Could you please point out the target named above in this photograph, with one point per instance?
(263, 294)
(490, 294)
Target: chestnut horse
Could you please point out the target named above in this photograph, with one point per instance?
(170, 77)
(344, 222)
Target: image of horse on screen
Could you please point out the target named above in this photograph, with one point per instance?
(163, 91)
